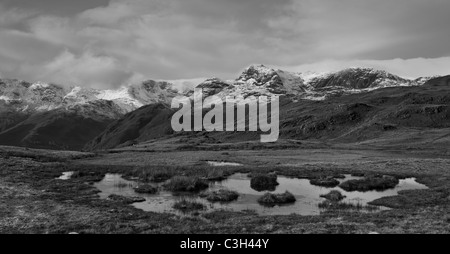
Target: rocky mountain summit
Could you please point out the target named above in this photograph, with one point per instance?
(22, 96)
(261, 80)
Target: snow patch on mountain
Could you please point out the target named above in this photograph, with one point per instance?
(5, 98)
(39, 85)
(422, 80)
(40, 97)
(311, 75)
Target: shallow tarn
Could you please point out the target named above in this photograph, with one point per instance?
(223, 164)
(307, 195)
(66, 175)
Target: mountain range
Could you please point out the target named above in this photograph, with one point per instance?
(351, 105)
(50, 116)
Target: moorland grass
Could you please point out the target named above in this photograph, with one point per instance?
(154, 174)
(164, 173)
(330, 205)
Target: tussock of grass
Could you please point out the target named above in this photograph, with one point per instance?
(275, 199)
(334, 196)
(264, 182)
(339, 176)
(188, 206)
(160, 177)
(126, 200)
(186, 184)
(88, 176)
(220, 195)
(146, 189)
(378, 183)
(328, 182)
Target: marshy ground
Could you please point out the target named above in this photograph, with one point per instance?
(35, 200)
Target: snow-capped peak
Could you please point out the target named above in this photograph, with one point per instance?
(308, 76)
(41, 96)
(5, 98)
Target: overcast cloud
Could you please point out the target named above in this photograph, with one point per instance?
(108, 43)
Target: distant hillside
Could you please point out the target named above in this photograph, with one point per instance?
(57, 129)
(146, 123)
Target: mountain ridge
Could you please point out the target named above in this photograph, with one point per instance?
(30, 111)
(41, 115)
(261, 80)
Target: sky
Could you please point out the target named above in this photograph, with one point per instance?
(108, 43)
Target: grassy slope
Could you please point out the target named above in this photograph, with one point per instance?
(148, 122)
(53, 130)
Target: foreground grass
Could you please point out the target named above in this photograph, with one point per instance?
(332, 206)
(34, 201)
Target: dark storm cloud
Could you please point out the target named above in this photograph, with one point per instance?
(405, 28)
(177, 39)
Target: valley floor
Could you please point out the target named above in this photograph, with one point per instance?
(33, 200)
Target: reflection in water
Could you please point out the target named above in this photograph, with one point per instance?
(307, 195)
